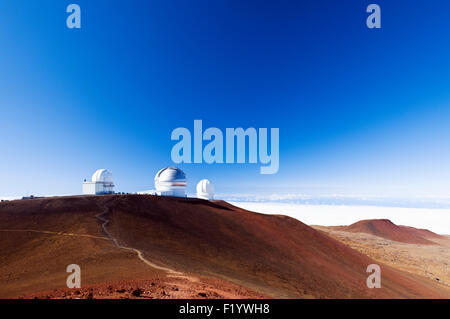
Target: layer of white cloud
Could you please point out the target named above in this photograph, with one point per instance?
(337, 199)
(436, 220)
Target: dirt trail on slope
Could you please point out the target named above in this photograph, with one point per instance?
(53, 233)
(170, 272)
(110, 237)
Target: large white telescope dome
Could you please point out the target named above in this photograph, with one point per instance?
(171, 181)
(205, 189)
(102, 176)
(101, 183)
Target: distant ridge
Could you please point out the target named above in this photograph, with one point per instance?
(386, 229)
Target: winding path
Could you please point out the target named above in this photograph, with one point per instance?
(171, 272)
(110, 237)
(53, 232)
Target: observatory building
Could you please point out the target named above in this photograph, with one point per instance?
(205, 190)
(170, 181)
(101, 184)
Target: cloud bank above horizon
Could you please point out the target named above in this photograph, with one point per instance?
(436, 220)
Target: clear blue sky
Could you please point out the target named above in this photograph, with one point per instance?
(359, 110)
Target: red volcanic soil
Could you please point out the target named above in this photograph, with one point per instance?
(156, 288)
(388, 230)
(192, 245)
(424, 233)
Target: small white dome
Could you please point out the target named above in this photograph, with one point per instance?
(102, 176)
(205, 189)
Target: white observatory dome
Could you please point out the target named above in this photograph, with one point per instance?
(102, 176)
(171, 181)
(101, 184)
(205, 189)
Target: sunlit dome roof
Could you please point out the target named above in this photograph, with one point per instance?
(170, 177)
(102, 176)
(205, 189)
(205, 186)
